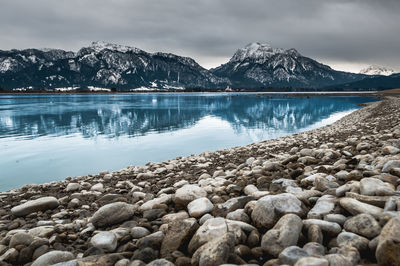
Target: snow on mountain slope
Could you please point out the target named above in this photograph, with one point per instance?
(377, 70)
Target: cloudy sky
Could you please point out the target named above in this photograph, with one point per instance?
(345, 34)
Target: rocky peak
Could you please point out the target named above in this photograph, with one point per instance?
(377, 70)
(255, 51)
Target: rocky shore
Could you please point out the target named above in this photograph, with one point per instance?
(329, 196)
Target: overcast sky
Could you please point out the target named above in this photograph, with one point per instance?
(345, 34)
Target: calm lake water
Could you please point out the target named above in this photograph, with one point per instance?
(49, 137)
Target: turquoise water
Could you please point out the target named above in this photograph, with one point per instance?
(49, 137)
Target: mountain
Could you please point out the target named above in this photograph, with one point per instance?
(102, 65)
(371, 83)
(377, 70)
(260, 65)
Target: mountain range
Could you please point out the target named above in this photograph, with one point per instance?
(124, 68)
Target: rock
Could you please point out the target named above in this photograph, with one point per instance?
(215, 252)
(112, 213)
(323, 206)
(200, 206)
(315, 234)
(21, 238)
(373, 186)
(188, 193)
(162, 199)
(97, 187)
(42, 231)
(41, 204)
(356, 207)
(291, 255)
(10, 255)
(329, 227)
(175, 216)
(388, 250)
(363, 146)
(178, 235)
(269, 209)
(231, 205)
(211, 229)
(348, 238)
(336, 218)
(284, 234)
(311, 261)
(40, 251)
(390, 165)
(153, 240)
(53, 257)
(139, 232)
(338, 260)
(364, 225)
(71, 187)
(314, 249)
(146, 255)
(391, 150)
(160, 262)
(106, 241)
(238, 215)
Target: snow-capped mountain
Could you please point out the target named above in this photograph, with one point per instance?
(102, 65)
(260, 65)
(377, 70)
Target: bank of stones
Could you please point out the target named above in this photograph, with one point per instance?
(330, 196)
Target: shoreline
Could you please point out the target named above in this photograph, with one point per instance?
(312, 171)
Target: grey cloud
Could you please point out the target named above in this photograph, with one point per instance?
(359, 31)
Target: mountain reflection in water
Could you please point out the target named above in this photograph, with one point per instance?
(49, 137)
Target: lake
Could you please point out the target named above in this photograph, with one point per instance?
(49, 137)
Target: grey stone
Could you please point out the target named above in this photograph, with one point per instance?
(329, 227)
(200, 206)
(291, 255)
(139, 232)
(356, 207)
(284, 234)
(269, 209)
(388, 250)
(363, 224)
(311, 261)
(113, 213)
(106, 241)
(188, 193)
(41, 204)
(348, 238)
(53, 257)
(323, 206)
(21, 238)
(215, 252)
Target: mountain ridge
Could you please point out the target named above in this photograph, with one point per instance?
(126, 68)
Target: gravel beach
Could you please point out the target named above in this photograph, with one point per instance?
(328, 196)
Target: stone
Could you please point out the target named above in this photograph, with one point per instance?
(40, 251)
(238, 215)
(71, 187)
(211, 229)
(20, 238)
(231, 205)
(97, 187)
(311, 261)
(106, 241)
(41, 204)
(162, 199)
(314, 249)
(200, 206)
(356, 207)
(363, 146)
(139, 232)
(335, 218)
(329, 227)
(323, 206)
(390, 165)
(215, 252)
(53, 257)
(178, 235)
(153, 240)
(10, 255)
(390, 150)
(160, 262)
(146, 255)
(175, 216)
(338, 260)
(188, 193)
(372, 186)
(348, 238)
(112, 213)
(388, 250)
(315, 234)
(363, 224)
(42, 231)
(285, 233)
(291, 255)
(269, 209)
